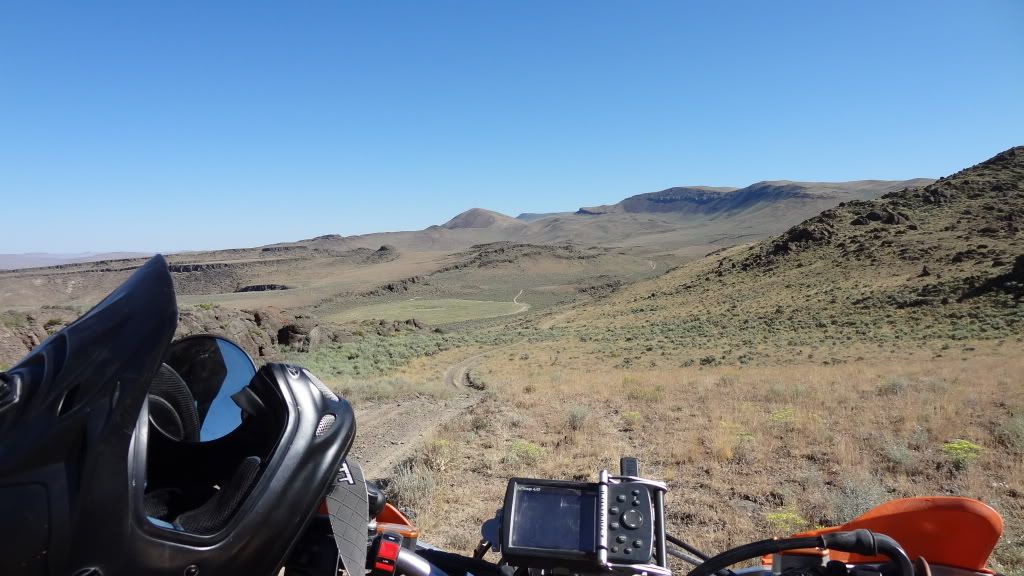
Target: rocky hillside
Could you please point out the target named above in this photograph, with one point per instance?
(963, 232)
(264, 332)
(712, 201)
(197, 273)
(939, 262)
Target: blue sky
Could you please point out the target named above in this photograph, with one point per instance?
(144, 125)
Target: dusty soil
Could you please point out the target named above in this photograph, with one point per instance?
(390, 433)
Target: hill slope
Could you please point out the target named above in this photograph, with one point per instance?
(945, 261)
(480, 218)
(693, 219)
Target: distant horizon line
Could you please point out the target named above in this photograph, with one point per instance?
(138, 253)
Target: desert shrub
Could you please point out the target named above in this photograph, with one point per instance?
(899, 457)
(578, 417)
(479, 423)
(523, 453)
(373, 354)
(961, 452)
(856, 496)
(1008, 553)
(725, 439)
(891, 387)
(410, 486)
(785, 521)
(11, 319)
(205, 306)
(475, 380)
(775, 392)
(516, 419)
(782, 416)
(919, 438)
(647, 394)
(529, 389)
(384, 389)
(709, 361)
(631, 420)
(437, 455)
(1010, 433)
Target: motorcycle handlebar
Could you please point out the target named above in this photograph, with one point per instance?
(409, 563)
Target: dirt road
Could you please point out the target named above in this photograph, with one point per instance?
(389, 433)
(523, 306)
(455, 375)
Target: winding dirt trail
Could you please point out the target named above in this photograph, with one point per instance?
(455, 375)
(389, 433)
(523, 306)
(392, 432)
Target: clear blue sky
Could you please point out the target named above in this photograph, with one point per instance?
(144, 125)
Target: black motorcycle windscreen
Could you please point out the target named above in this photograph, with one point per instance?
(68, 414)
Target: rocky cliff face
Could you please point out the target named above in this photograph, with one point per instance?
(263, 332)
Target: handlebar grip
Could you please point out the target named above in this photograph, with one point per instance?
(410, 563)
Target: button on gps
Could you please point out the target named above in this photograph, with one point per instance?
(632, 519)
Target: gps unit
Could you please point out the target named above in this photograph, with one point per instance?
(614, 524)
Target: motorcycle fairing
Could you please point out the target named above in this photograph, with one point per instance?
(946, 530)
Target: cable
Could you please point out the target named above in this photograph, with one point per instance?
(863, 542)
(697, 553)
(752, 550)
(683, 556)
(686, 547)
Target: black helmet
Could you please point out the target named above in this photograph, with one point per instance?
(105, 464)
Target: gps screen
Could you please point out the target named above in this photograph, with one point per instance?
(554, 518)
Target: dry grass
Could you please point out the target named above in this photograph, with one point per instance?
(748, 451)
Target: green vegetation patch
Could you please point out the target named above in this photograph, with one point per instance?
(785, 521)
(523, 453)
(442, 311)
(11, 319)
(373, 355)
(961, 452)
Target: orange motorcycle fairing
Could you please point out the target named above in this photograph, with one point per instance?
(944, 530)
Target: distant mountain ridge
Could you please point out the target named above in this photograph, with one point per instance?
(695, 219)
(37, 259)
(698, 219)
(714, 200)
